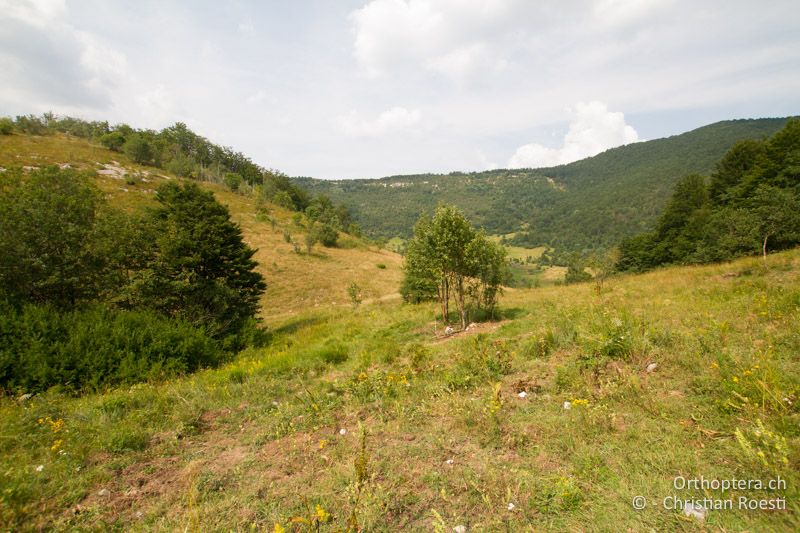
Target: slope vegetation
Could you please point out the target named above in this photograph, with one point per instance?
(295, 280)
(369, 420)
(587, 204)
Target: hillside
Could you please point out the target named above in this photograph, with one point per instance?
(591, 203)
(295, 281)
(366, 419)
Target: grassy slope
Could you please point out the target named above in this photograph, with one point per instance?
(295, 281)
(258, 442)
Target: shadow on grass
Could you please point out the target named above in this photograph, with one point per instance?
(293, 326)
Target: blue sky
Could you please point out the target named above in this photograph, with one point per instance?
(350, 89)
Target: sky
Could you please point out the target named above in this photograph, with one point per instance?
(363, 89)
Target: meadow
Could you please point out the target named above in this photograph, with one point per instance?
(369, 418)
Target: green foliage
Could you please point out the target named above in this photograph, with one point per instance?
(233, 181)
(6, 126)
(139, 149)
(575, 208)
(200, 269)
(113, 140)
(31, 125)
(95, 348)
(354, 293)
(751, 203)
(461, 263)
(48, 237)
(323, 233)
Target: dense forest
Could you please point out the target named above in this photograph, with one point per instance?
(750, 204)
(590, 204)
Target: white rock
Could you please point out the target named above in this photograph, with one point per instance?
(651, 367)
(511, 506)
(522, 394)
(449, 461)
(448, 330)
(460, 529)
(40, 468)
(695, 511)
(104, 492)
(342, 432)
(568, 405)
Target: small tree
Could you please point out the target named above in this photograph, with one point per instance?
(447, 251)
(113, 140)
(139, 149)
(47, 224)
(354, 292)
(201, 269)
(778, 214)
(6, 126)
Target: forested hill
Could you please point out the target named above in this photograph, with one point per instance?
(591, 203)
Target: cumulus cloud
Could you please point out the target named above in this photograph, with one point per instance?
(593, 129)
(390, 121)
(447, 37)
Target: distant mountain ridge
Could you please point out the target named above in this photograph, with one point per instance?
(591, 203)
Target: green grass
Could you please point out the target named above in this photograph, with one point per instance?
(258, 442)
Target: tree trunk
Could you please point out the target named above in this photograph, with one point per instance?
(460, 302)
(764, 249)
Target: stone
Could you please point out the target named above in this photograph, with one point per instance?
(651, 367)
(460, 529)
(343, 432)
(449, 330)
(523, 395)
(25, 397)
(695, 511)
(104, 492)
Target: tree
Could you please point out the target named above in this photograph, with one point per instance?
(47, 237)
(730, 171)
(201, 270)
(139, 149)
(778, 214)
(448, 253)
(6, 126)
(324, 234)
(113, 140)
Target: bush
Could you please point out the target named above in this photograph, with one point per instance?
(325, 234)
(6, 126)
(232, 181)
(113, 140)
(96, 348)
(139, 150)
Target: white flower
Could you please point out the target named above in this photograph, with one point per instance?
(449, 461)
(511, 506)
(342, 432)
(40, 468)
(567, 405)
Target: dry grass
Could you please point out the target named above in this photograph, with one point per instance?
(295, 281)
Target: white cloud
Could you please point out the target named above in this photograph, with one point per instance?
(593, 129)
(443, 36)
(390, 121)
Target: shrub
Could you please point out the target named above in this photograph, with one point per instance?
(113, 140)
(96, 348)
(6, 126)
(139, 150)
